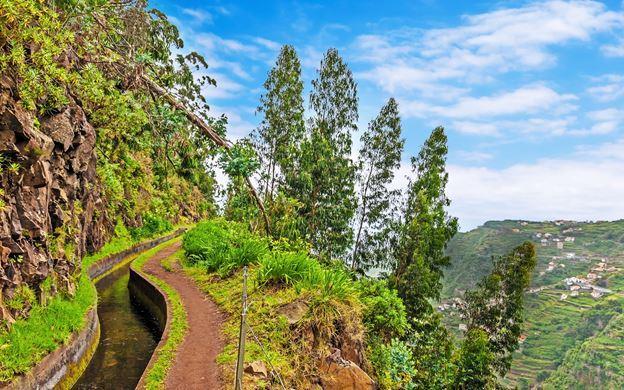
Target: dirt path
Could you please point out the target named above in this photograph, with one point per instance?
(195, 365)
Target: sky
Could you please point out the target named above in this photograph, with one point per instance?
(530, 93)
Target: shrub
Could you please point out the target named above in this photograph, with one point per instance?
(206, 241)
(384, 312)
(287, 268)
(22, 300)
(393, 364)
(223, 247)
(152, 225)
(248, 251)
(329, 284)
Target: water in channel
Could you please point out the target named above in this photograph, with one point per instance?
(128, 338)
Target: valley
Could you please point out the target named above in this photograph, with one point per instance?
(573, 309)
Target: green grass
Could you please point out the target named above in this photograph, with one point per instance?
(157, 374)
(29, 340)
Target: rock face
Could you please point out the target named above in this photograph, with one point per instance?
(51, 211)
(341, 374)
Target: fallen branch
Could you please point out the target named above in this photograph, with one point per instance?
(209, 131)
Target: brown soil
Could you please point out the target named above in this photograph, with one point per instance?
(195, 365)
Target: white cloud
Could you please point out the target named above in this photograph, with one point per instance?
(226, 87)
(609, 87)
(474, 156)
(613, 50)
(485, 44)
(238, 127)
(587, 185)
(212, 42)
(529, 99)
(198, 15)
(267, 43)
(474, 128)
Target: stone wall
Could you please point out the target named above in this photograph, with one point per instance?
(52, 209)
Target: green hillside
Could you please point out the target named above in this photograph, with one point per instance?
(569, 336)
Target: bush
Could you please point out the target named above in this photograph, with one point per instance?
(329, 284)
(393, 364)
(223, 247)
(152, 225)
(384, 312)
(288, 268)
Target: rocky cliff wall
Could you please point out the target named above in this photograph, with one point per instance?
(51, 208)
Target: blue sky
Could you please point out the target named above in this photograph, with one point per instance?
(530, 93)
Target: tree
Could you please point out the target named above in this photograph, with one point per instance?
(496, 306)
(325, 181)
(380, 155)
(474, 362)
(282, 129)
(426, 229)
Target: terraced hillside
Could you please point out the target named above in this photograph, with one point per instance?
(568, 323)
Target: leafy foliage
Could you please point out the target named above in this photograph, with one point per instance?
(394, 365)
(152, 226)
(222, 246)
(289, 268)
(496, 306)
(383, 311)
(475, 361)
(326, 185)
(426, 229)
(380, 156)
(279, 136)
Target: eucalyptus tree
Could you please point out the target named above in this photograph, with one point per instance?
(426, 229)
(380, 156)
(282, 129)
(496, 305)
(326, 173)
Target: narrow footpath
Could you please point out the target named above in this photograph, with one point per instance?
(195, 364)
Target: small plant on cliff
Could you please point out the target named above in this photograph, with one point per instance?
(22, 300)
(14, 168)
(285, 268)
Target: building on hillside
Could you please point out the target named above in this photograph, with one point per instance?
(573, 280)
(569, 239)
(575, 287)
(560, 245)
(563, 297)
(596, 294)
(574, 294)
(463, 327)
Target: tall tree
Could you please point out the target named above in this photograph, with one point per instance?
(496, 306)
(473, 361)
(427, 228)
(326, 174)
(282, 128)
(380, 155)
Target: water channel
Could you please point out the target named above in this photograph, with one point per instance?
(128, 337)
